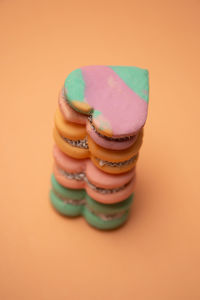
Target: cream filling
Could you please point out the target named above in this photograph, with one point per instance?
(122, 139)
(116, 164)
(82, 177)
(77, 143)
(106, 217)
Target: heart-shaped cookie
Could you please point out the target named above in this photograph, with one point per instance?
(83, 174)
(74, 202)
(116, 97)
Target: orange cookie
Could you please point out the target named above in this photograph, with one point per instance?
(70, 137)
(115, 162)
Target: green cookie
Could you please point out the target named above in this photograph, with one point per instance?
(71, 202)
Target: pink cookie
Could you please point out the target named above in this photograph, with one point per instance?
(102, 187)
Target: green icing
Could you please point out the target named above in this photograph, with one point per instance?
(137, 79)
(75, 86)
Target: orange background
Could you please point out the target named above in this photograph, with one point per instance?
(157, 254)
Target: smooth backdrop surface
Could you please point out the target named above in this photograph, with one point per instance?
(157, 254)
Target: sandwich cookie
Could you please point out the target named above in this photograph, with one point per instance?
(70, 137)
(106, 217)
(74, 203)
(102, 187)
(116, 100)
(115, 161)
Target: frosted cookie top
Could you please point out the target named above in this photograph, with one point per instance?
(116, 97)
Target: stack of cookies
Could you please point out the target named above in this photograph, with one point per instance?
(98, 134)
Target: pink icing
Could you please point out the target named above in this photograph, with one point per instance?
(122, 109)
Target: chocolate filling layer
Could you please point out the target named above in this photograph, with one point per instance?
(82, 177)
(77, 143)
(116, 164)
(122, 139)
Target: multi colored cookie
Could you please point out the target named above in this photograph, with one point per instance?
(73, 203)
(116, 100)
(98, 134)
(83, 174)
